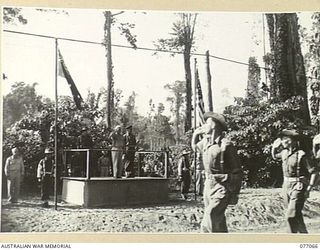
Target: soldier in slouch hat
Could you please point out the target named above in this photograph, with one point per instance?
(184, 174)
(299, 177)
(45, 173)
(222, 170)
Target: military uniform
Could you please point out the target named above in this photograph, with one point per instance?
(220, 184)
(130, 144)
(117, 152)
(222, 172)
(44, 174)
(299, 177)
(14, 170)
(296, 169)
(184, 174)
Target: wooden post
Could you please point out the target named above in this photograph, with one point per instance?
(139, 164)
(166, 172)
(65, 162)
(210, 102)
(195, 122)
(56, 128)
(88, 165)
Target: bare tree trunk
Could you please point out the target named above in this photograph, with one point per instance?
(177, 123)
(110, 91)
(210, 103)
(287, 65)
(187, 69)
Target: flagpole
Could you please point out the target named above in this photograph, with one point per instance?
(195, 124)
(56, 127)
(209, 88)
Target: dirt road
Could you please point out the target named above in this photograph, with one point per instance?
(258, 211)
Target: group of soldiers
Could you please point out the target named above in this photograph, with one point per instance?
(223, 173)
(14, 171)
(222, 168)
(114, 161)
(122, 152)
(119, 143)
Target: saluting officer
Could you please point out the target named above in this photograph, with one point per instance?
(44, 174)
(299, 177)
(118, 144)
(222, 170)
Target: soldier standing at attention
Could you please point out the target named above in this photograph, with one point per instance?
(130, 144)
(117, 151)
(184, 174)
(222, 170)
(299, 177)
(44, 174)
(14, 171)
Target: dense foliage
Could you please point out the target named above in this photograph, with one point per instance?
(32, 128)
(313, 66)
(254, 127)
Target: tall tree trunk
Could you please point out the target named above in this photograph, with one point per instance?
(177, 123)
(187, 68)
(254, 77)
(287, 64)
(110, 90)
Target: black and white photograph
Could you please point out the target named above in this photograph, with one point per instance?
(149, 121)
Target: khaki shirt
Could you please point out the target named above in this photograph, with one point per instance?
(295, 164)
(14, 165)
(45, 167)
(117, 140)
(183, 165)
(211, 157)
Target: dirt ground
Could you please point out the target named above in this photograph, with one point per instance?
(258, 211)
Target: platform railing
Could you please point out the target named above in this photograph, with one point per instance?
(67, 164)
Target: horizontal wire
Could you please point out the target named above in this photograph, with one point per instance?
(130, 47)
(139, 48)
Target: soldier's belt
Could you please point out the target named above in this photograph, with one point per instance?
(215, 177)
(14, 170)
(47, 172)
(293, 179)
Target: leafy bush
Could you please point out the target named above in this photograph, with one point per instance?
(254, 126)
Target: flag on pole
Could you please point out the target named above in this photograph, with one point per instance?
(200, 103)
(64, 72)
